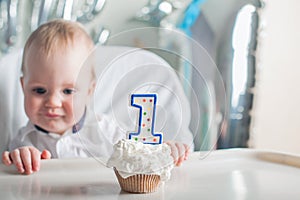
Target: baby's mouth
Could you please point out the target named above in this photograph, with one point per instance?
(52, 115)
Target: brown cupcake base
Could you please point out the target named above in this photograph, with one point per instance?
(139, 183)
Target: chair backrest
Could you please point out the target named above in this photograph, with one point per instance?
(12, 114)
(126, 70)
(120, 71)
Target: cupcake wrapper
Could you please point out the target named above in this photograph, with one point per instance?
(139, 183)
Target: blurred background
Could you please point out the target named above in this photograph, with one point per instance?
(275, 114)
(241, 85)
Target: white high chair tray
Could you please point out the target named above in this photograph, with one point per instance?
(224, 174)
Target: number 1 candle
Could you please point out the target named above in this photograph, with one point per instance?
(146, 118)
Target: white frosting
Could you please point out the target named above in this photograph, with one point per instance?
(131, 157)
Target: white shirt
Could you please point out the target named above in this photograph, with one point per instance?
(95, 139)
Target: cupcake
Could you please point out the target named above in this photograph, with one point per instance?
(139, 167)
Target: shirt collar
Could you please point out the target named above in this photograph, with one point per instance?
(76, 127)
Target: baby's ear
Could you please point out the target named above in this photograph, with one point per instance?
(22, 82)
(92, 87)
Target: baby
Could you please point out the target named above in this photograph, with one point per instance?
(57, 86)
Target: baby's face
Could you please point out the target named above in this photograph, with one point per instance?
(54, 98)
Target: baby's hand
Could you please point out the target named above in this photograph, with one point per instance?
(179, 151)
(26, 159)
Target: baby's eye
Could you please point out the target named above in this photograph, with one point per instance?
(69, 91)
(39, 90)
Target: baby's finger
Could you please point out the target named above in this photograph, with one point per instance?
(181, 153)
(187, 151)
(26, 158)
(6, 159)
(35, 159)
(16, 159)
(174, 152)
(46, 154)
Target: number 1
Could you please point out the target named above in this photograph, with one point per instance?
(147, 106)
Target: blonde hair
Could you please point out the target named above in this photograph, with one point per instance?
(57, 34)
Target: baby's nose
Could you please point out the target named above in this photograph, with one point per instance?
(53, 101)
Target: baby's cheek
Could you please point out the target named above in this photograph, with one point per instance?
(74, 111)
(31, 106)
